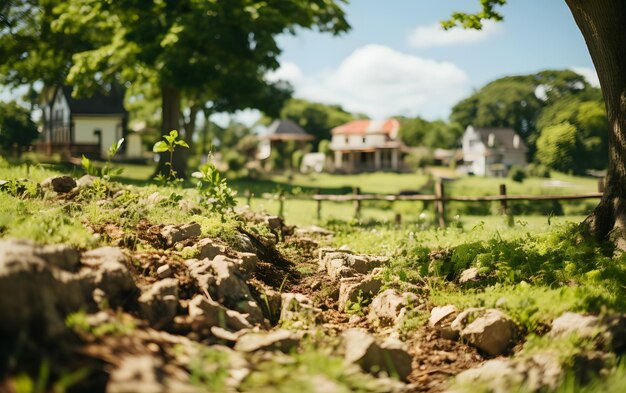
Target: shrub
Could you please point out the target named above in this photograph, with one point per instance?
(517, 174)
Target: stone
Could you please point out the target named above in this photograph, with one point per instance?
(342, 263)
(165, 271)
(351, 288)
(252, 310)
(275, 223)
(313, 230)
(220, 276)
(227, 335)
(278, 340)
(361, 348)
(86, 181)
(208, 249)
(247, 262)
(500, 375)
(441, 318)
(296, 307)
(176, 233)
(136, 373)
(60, 185)
(206, 313)
(106, 269)
(244, 244)
(158, 302)
(36, 295)
(386, 308)
(585, 326)
(468, 275)
(490, 330)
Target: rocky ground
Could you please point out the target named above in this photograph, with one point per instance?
(275, 310)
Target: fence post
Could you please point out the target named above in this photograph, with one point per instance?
(440, 207)
(248, 195)
(398, 219)
(281, 202)
(601, 185)
(503, 202)
(357, 203)
(319, 205)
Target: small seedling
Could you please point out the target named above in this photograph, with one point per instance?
(169, 144)
(217, 196)
(107, 171)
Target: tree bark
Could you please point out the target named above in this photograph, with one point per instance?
(603, 24)
(170, 120)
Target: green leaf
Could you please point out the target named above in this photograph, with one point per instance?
(160, 147)
(182, 143)
(174, 134)
(86, 163)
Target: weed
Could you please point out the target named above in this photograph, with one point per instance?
(107, 170)
(168, 145)
(216, 195)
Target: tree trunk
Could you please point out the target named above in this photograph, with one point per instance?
(602, 23)
(170, 120)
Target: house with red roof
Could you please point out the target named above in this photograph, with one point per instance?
(367, 145)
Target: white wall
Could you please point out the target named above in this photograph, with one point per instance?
(110, 127)
(356, 141)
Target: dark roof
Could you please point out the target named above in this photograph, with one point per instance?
(286, 130)
(503, 138)
(99, 103)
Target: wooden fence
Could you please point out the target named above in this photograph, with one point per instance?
(439, 198)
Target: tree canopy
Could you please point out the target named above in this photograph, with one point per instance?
(17, 129)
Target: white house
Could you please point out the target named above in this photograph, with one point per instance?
(492, 151)
(75, 126)
(367, 145)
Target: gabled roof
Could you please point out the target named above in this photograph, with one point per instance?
(505, 138)
(286, 130)
(363, 127)
(99, 103)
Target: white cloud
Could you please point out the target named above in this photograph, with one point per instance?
(434, 35)
(589, 74)
(380, 82)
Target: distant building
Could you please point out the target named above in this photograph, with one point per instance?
(75, 126)
(280, 132)
(492, 151)
(367, 145)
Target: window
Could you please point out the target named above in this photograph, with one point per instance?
(347, 140)
(364, 139)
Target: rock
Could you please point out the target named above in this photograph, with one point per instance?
(585, 326)
(136, 373)
(361, 348)
(468, 275)
(296, 307)
(220, 276)
(165, 271)
(159, 302)
(490, 330)
(36, 295)
(541, 372)
(387, 307)
(208, 249)
(354, 319)
(155, 198)
(278, 340)
(206, 313)
(252, 310)
(230, 286)
(350, 289)
(226, 335)
(247, 263)
(275, 223)
(441, 318)
(313, 230)
(176, 233)
(342, 263)
(244, 244)
(86, 181)
(500, 375)
(60, 185)
(107, 271)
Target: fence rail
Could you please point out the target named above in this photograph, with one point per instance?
(439, 198)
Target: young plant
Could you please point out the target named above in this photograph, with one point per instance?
(107, 171)
(169, 144)
(217, 196)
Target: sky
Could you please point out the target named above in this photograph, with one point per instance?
(396, 60)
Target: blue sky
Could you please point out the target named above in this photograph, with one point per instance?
(396, 61)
